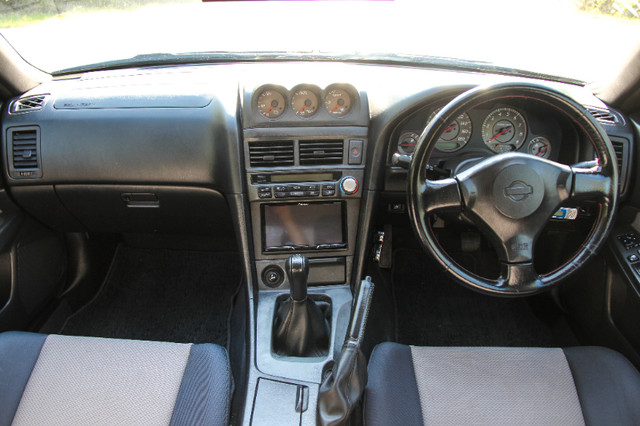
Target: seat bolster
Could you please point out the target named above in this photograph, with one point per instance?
(608, 386)
(19, 353)
(391, 396)
(205, 393)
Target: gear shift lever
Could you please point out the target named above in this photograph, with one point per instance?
(297, 268)
(300, 327)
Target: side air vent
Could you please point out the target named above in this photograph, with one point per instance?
(28, 104)
(604, 116)
(621, 147)
(24, 147)
(321, 152)
(270, 154)
(618, 147)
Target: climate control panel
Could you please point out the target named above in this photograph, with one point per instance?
(267, 187)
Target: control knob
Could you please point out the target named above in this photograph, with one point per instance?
(349, 185)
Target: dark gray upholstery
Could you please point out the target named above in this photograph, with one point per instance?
(205, 393)
(607, 385)
(391, 368)
(33, 364)
(18, 355)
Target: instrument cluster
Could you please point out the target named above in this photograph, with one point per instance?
(496, 129)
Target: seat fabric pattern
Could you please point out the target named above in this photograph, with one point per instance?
(494, 386)
(97, 381)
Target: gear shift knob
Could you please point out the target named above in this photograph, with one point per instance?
(297, 268)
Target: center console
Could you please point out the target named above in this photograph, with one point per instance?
(304, 174)
(314, 213)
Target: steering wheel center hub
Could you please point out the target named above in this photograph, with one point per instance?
(518, 191)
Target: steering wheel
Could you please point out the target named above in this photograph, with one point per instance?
(510, 197)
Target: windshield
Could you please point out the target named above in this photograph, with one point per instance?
(585, 40)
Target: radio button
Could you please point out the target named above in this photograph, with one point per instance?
(328, 192)
(281, 194)
(313, 193)
(296, 194)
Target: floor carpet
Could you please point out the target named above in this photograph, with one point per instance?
(162, 295)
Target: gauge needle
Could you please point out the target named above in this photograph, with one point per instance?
(335, 108)
(451, 127)
(502, 132)
(269, 110)
(542, 151)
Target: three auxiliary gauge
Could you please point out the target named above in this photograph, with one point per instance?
(305, 101)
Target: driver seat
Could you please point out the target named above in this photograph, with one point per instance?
(410, 385)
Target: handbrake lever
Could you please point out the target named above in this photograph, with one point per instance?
(342, 388)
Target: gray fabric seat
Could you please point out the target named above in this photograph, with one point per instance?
(411, 385)
(56, 380)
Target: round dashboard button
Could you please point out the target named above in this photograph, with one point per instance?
(349, 185)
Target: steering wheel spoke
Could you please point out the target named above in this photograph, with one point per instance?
(441, 195)
(590, 183)
(519, 277)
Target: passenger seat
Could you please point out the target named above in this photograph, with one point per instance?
(55, 380)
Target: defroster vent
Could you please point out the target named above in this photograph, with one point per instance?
(271, 153)
(321, 152)
(30, 103)
(24, 155)
(604, 116)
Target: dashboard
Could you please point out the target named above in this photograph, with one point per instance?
(284, 163)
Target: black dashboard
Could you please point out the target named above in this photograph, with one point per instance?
(235, 148)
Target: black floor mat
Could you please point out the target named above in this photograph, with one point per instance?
(433, 310)
(163, 295)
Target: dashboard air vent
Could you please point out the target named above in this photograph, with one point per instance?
(604, 116)
(270, 154)
(30, 103)
(618, 147)
(24, 144)
(621, 148)
(320, 152)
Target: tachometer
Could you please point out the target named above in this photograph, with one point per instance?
(304, 102)
(504, 130)
(455, 135)
(271, 103)
(540, 147)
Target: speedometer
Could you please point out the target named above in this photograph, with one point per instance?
(455, 135)
(504, 130)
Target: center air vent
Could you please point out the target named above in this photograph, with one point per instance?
(24, 144)
(321, 152)
(270, 154)
(604, 116)
(31, 103)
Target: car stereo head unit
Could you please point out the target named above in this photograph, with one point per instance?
(303, 226)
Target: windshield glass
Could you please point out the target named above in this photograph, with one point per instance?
(585, 40)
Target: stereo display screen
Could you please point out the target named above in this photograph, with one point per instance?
(311, 226)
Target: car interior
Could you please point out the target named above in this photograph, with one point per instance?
(317, 241)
